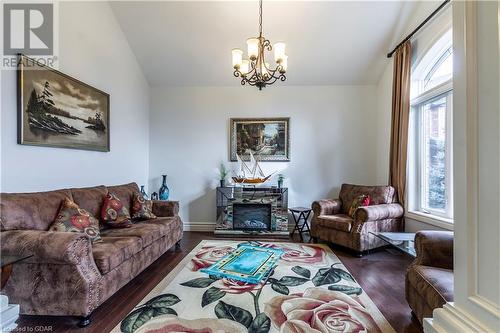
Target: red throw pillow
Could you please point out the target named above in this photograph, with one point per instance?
(72, 218)
(142, 209)
(114, 213)
(360, 201)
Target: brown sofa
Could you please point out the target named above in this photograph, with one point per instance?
(331, 222)
(68, 275)
(429, 279)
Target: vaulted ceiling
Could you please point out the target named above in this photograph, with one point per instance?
(328, 42)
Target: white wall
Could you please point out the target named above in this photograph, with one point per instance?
(333, 139)
(384, 106)
(94, 50)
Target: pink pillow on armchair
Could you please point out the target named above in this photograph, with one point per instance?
(360, 201)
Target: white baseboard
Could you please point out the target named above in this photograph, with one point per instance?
(450, 319)
(199, 226)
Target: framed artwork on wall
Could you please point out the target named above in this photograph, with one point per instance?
(56, 110)
(267, 138)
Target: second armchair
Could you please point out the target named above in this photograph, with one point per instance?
(331, 221)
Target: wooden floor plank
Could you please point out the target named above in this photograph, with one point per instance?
(380, 274)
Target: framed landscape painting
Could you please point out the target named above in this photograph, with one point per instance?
(56, 110)
(266, 138)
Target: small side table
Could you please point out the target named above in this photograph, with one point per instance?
(301, 214)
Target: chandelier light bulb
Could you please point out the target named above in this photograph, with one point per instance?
(284, 63)
(279, 51)
(237, 58)
(253, 48)
(244, 68)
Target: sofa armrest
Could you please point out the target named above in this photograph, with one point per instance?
(326, 207)
(434, 248)
(379, 212)
(49, 247)
(164, 208)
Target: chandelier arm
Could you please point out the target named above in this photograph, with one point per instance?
(253, 77)
(274, 79)
(267, 45)
(276, 70)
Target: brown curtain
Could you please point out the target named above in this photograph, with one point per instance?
(400, 120)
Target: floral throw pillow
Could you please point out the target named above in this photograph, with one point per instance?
(113, 213)
(142, 209)
(72, 218)
(360, 201)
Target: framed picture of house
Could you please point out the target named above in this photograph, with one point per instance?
(266, 138)
(56, 110)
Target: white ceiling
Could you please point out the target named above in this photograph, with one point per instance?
(328, 43)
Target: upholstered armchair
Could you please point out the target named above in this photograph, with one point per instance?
(429, 279)
(332, 223)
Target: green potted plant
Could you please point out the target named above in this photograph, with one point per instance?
(281, 177)
(223, 172)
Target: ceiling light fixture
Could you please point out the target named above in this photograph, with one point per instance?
(256, 71)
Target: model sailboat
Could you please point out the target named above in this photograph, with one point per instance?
(257, 176)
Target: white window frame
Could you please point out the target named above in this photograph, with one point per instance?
(415, 193)
(418, 191)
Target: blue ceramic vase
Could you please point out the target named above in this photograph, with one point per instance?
(143, 193)
(164, 192)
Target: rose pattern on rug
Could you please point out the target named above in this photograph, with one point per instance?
(309, 291)
(319, 311)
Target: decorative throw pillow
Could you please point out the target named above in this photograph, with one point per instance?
(360, 201)
(72, 218)
(114, 213)
(142, 209)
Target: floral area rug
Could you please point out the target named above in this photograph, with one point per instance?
(309, 291)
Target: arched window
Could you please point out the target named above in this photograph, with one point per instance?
(430, 137)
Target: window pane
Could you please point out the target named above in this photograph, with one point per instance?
(441, 72)
(434, 155)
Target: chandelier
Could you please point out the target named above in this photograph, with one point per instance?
(256, 71)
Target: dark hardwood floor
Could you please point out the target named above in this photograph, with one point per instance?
(380, 274)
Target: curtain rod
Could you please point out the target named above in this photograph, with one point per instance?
(389, 55)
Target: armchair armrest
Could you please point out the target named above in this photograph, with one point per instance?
(326, 207)
(378, 212)
(49, 247)
(165, 208)
(434, 248)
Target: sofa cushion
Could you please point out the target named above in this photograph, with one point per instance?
(72, 218)
(30, 211)
(148, 231)
(339, 222)
(90, 198)
(378, 195)
(113, 213)
(112, 251)
(435, 285)
(142, 209)
(125, 193)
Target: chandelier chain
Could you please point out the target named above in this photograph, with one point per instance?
(260, 18)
